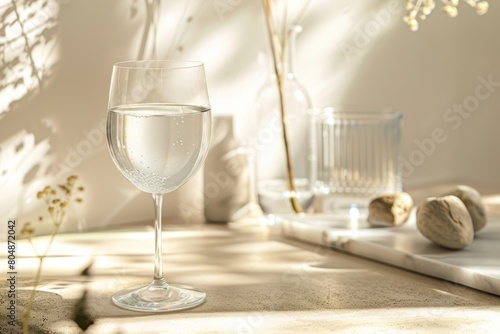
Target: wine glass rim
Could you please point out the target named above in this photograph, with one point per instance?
(157, 64)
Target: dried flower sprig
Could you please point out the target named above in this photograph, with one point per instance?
(57, 200)
(420, 9)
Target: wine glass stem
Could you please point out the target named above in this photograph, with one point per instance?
(158, 280)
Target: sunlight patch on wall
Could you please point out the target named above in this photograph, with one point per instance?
(28, 48)
(350, 32)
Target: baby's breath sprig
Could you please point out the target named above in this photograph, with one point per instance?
(57, 201)
(420, 9)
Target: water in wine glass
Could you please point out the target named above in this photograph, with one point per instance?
(158, 147)
(158, 140)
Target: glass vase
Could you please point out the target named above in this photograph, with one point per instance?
(272, 175)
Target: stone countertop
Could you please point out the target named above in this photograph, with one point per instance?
(256, 282)
(476, 266)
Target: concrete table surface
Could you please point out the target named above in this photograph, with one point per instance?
(256, 282)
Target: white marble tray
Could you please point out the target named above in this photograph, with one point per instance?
(477, 266)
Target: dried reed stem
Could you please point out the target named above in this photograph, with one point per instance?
(278, 56)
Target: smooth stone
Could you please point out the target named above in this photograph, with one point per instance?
(446, 222)
(474, 204)
(390, 210)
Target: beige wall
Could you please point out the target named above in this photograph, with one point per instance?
(356, 53)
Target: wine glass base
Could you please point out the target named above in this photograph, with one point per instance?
(173, 297)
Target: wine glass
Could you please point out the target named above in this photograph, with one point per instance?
(158, 131)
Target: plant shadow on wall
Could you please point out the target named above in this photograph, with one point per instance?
(28, 49)
(49, 125)
(28, 52)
